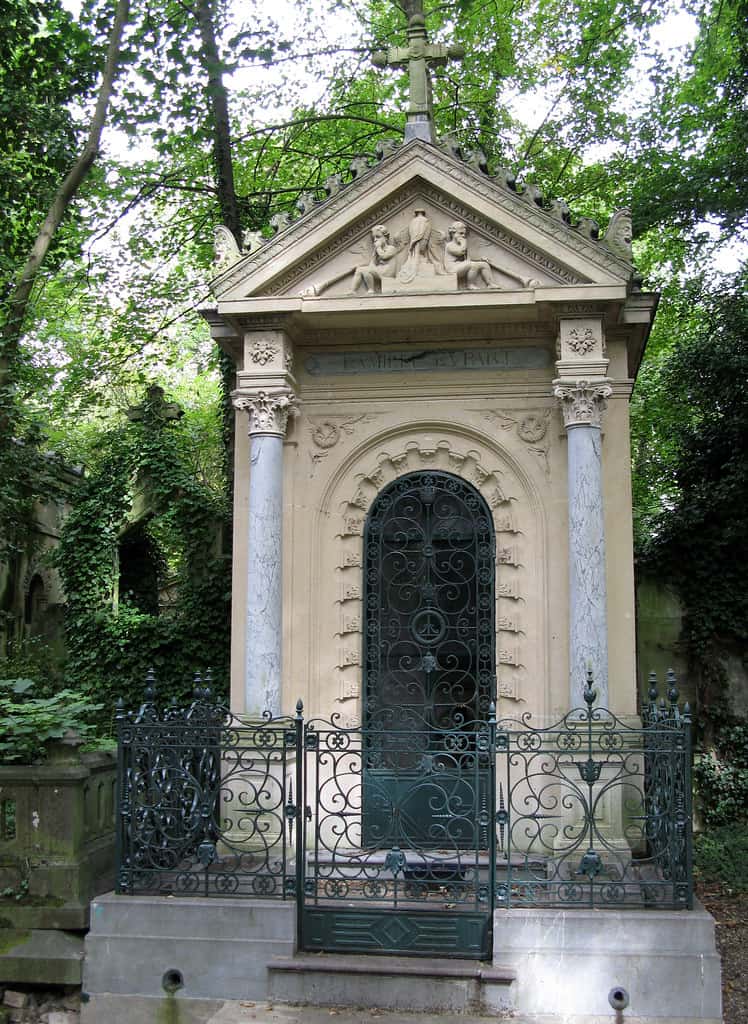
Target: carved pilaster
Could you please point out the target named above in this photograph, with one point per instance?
(582, 401)
(268, 410)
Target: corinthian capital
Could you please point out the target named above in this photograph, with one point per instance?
(268, 410)
(582, 401)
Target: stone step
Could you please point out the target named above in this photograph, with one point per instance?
(391, 983)
(137, 1010)
(278, 1013)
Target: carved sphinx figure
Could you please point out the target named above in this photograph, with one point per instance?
(382, 262)
(471, 274)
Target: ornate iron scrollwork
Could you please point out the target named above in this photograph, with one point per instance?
(429, 604)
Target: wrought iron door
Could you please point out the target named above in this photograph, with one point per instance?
(429, 661)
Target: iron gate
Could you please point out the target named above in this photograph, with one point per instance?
(376, 881)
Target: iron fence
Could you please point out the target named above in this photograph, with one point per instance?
(595, 811)
(204, 800)
(591, 811)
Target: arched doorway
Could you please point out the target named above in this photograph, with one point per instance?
(429, 659)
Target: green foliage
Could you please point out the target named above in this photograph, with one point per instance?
(147, 478)
(691, 422)
(721, 774)
(721, 856)
(28, 723)
(46, 61)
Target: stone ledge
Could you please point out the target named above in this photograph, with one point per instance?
(40, 957)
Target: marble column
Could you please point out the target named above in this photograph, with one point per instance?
(582, 403)
(268, 416)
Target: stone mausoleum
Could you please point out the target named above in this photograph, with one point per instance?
(432, 528)
(431, 318)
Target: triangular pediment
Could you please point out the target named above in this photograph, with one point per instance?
(422, 221)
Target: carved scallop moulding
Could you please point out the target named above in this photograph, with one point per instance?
(508, 686)
(504, 523)
(505, 624)
(508, 655)
(353, 526)
(349, 560)
(361, 500)
(350, 688)
(507, 555)
(508, 590)
(349, 657)
(349, 592)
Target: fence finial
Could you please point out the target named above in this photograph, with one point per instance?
(150, 686)
(653, 688)
(672, 686)
(590, 693)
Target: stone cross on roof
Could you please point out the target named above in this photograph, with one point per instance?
(416, 57)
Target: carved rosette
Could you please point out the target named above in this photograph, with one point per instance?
(268, 410)
(582, 402)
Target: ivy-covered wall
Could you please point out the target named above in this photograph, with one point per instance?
(171, 611)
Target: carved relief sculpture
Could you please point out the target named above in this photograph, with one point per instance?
(382, 262)
(422, 257)
(226, 250)
(471, 274)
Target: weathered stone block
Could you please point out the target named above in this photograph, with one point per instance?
(17, 1000)
(63, 839)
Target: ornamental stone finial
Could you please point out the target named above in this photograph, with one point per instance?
(582, 402)
(268, 410)
(618, 234)
(417, 56)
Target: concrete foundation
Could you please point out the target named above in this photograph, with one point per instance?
(568, 961)
(214, 950)
(549, 967)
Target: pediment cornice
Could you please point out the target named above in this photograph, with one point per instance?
(516, 223)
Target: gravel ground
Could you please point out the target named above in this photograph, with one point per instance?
(730, 911)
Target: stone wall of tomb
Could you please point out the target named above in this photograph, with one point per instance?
(500, 429)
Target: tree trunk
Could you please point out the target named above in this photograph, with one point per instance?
(219, 107)
(12, 328)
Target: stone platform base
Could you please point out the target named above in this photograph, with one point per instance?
(567, 963)
(205, 949)
(201, 961)
(40, 956)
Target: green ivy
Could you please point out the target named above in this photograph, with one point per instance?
(28, 723)
(721, 857)
(112, 645)
(721, 773)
